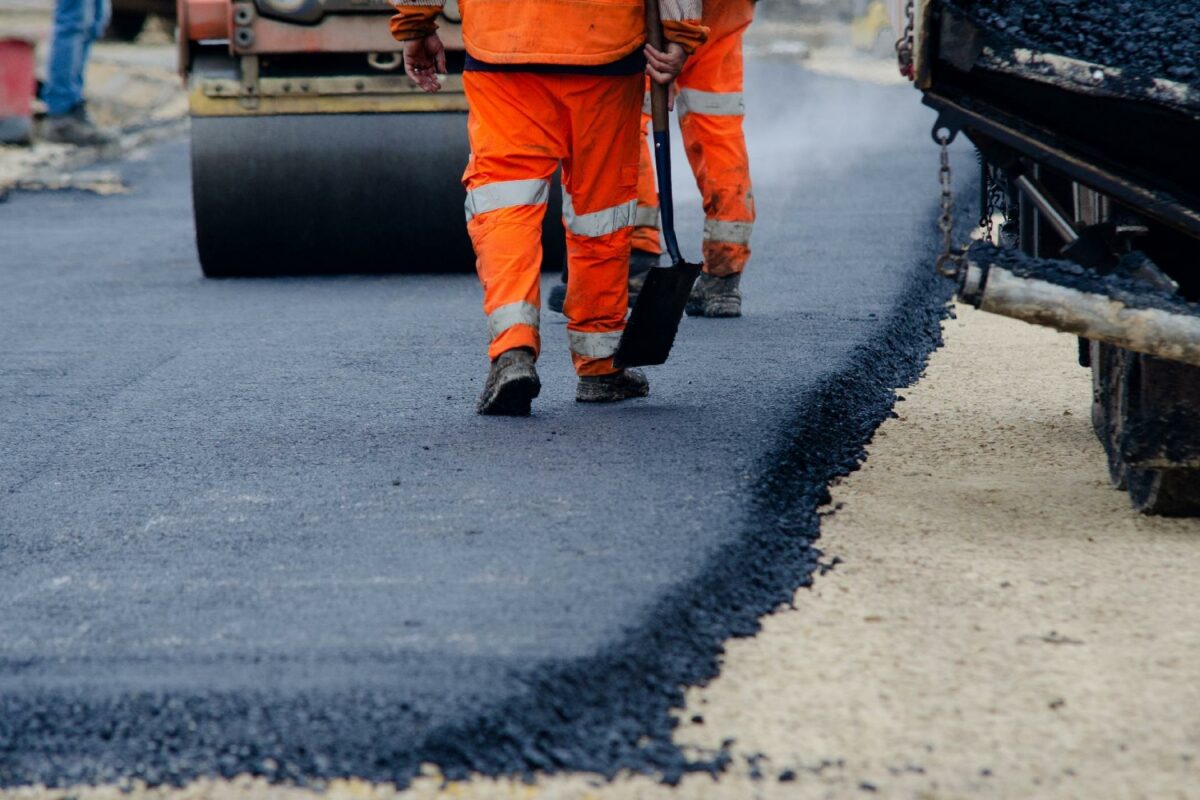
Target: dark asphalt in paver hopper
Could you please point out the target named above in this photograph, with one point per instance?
(256, 526)
(1146, 38)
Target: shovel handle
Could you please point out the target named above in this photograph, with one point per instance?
(658, 92)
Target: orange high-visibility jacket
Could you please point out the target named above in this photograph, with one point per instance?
(576, 32)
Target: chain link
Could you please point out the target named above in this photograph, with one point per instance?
(993, 198)
(904, 45)
(949, 263)
(997, 199)
(987, 208)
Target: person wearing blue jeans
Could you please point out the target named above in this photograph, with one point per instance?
(77, 23)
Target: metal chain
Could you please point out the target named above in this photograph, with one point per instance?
(985, 208)
(993, 198)
(950, 261)
(904, 45)
(996, 198)
(989, 206)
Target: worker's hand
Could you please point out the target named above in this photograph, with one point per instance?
(424, 60)
(664, 67)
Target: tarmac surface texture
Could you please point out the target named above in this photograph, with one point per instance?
(255, 526)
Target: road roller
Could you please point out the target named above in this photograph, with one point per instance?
(1086, 118)
(312, 151)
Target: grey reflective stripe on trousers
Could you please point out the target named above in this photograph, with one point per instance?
(506, 316)
(713, 104)
(598, 223)
(507, 194)
(646, 217)
(593, 345)
(716, 230)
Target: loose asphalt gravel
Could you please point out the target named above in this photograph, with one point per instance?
(255, 526)
(1148, 38)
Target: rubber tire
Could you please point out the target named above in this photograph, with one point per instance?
(1165, 492)
(1107, 362)
(337, 194)
(126, 26)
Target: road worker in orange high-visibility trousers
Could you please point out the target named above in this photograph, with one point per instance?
(552, 82)
(710, 110)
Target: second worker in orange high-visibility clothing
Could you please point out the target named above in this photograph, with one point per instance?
(711, 110)
(550, 83)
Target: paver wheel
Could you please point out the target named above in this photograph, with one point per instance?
(1154, 432)
(1106, 362)
(1165, 492)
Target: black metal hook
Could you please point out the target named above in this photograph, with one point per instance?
(945, 130)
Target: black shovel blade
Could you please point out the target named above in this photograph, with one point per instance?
(651, 327)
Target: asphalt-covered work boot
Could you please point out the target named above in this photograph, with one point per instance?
(716, 297)
(610, 388)
(640, 262)
(512, 383)
(75, 128)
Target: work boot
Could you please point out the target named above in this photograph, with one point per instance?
(512, 383)
(716, 297)
(557, 296)
(75, 127)
(610, 388)
(640, 262)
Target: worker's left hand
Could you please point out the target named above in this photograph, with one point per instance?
(424, 60)
(664, 67)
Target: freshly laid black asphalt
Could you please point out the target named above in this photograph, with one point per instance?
(255, 526)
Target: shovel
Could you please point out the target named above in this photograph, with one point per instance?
(654, 321)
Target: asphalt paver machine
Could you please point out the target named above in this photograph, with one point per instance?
(1086, 117)
(312, 151)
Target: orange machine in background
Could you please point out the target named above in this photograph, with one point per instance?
(311, 149)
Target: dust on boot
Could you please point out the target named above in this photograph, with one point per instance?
(512, 383)
(76, 127)
(714, 296)
(623, 385)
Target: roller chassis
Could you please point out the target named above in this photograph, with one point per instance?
(1099, 149)
(312, 151)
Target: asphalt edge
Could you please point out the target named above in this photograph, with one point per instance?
(614, 712)
(601, 715)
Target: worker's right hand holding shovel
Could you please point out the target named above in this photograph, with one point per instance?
(424, 60)
(664, 66)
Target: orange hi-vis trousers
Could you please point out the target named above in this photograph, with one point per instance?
(522, 126)
(711, 111)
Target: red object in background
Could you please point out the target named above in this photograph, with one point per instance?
(17, 86)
